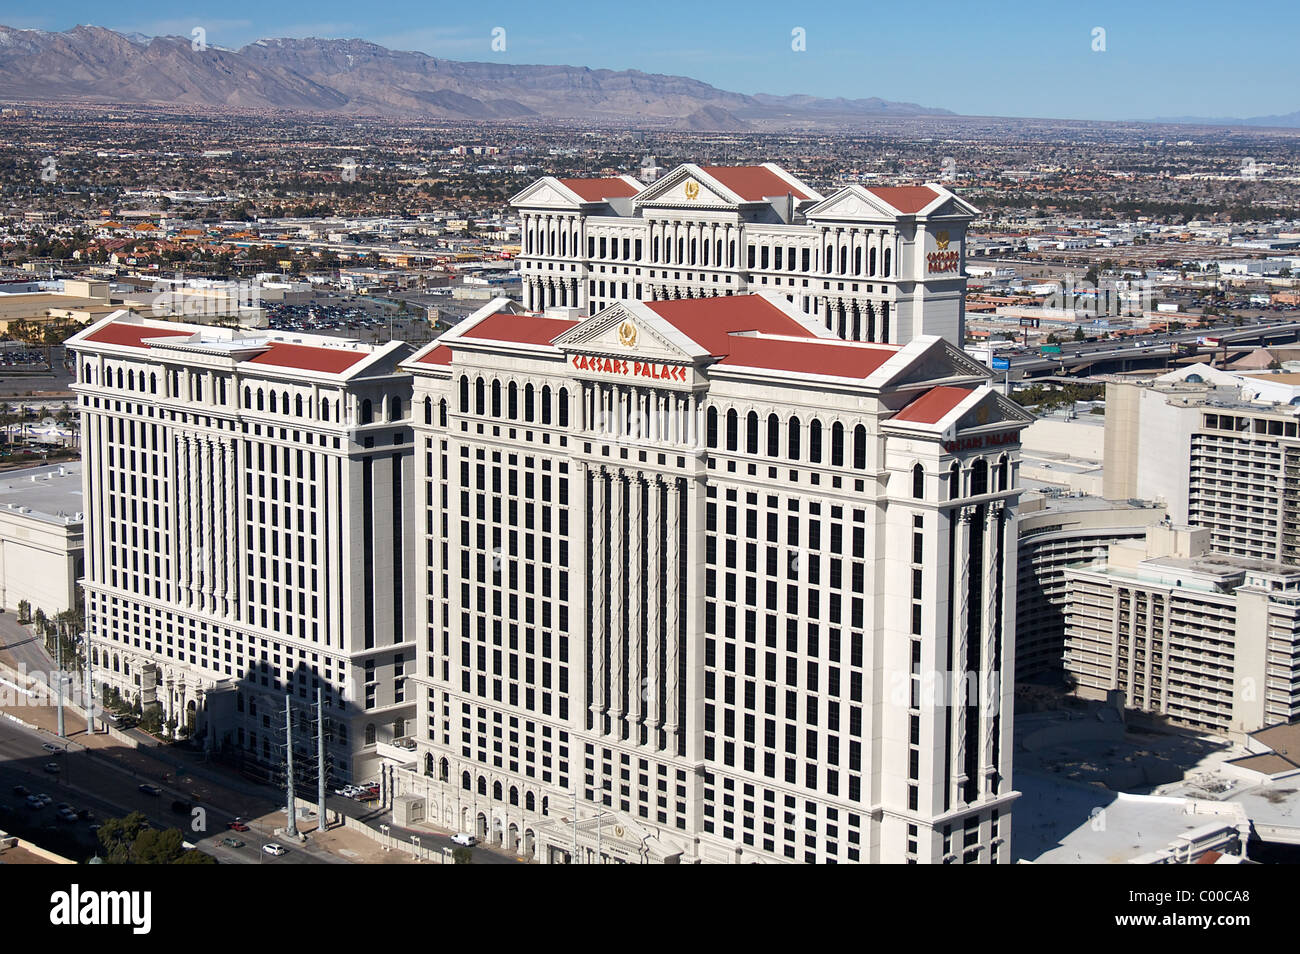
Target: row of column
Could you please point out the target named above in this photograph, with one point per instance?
(207, 554)
(669, 234)
(548, 234)
(851, 241)
(854, 319)
(540, 293)
(988, 590)
(636, 628)
(619, 412)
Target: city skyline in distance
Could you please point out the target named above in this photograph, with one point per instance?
(1110, 63)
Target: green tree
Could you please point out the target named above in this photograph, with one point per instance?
(463, 856)
(1078, 333)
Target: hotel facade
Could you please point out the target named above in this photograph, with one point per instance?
(879, 264)
(702, 582)
(247, 501)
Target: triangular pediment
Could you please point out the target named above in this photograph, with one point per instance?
(547, 193)
(852, 203)
(632, 332)
(927, 361)
(688, 186)
(994, 411)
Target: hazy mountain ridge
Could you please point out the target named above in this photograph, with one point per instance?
(357, 77)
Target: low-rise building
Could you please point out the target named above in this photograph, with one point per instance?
(41, 527)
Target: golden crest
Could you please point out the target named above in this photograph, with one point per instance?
(941, 239)
(627, 334)
(982, 414)
(692, 189)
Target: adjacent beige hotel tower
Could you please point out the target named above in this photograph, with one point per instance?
(694, 577)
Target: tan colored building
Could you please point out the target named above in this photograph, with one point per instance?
(41, 527)
(1208, 641)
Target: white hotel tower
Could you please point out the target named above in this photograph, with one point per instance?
(249, 509)
(871, 263)
(699, 571)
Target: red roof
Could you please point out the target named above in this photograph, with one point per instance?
(125, 333)
(906, 199)
(714, 323)
(308, 358)
(931, 406)
(520, 329)
(710, 321)
(439, 355)
(753, 183)
(597, 190)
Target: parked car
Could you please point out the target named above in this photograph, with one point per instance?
(34, 801)
(464, 838)
(237, 825)
(274, 849)
(21, 790)
(67, 815)
(52, 768)
(150, 789)
(51, 747)
(232, 843)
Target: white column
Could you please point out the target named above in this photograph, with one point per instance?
(654, 586)
(599, 586)
(673, 642)
(618, 556)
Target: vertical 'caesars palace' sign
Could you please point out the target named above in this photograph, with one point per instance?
(943, 259)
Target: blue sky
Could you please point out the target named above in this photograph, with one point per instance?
(999, 57)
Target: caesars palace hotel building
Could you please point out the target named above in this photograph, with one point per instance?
(879, 263)
(694, 574)
(248, 497)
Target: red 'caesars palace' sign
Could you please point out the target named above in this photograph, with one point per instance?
(638, 369)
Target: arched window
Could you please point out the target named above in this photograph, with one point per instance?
(792, 441)
(443, 767)
(815, 441)
(370, 733)
(711, 427)
(837, 444)
(153, 383)
(1004, 470)
(751, 432)
(465, 781)
(564, 407)
(248, 397)
(857, 261)
(482, 785)
(261, 397)
(297, 405)
(480, 397)
(954, 481)
(428, 410)
(530, 408)
(119, 379)
(324, 409)
(367, 409)
(496, 398)
(889, 254)
(442, 413)
(918, 482)
(773, 436)
(871, 262)
(546, 404)
(514, 795)
(979, 477)
(530, 801)
(732, 429)
(860, 447)
(284, 398)
(275, 406)
(464, 394)
(512, 401)
(496, 791)
(130, 380)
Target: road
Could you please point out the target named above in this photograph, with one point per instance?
(109, 790)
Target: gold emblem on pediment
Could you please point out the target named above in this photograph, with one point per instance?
(692, 189)
(627, 334)
(941, 239)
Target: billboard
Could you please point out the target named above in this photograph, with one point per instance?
(1001, 364)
